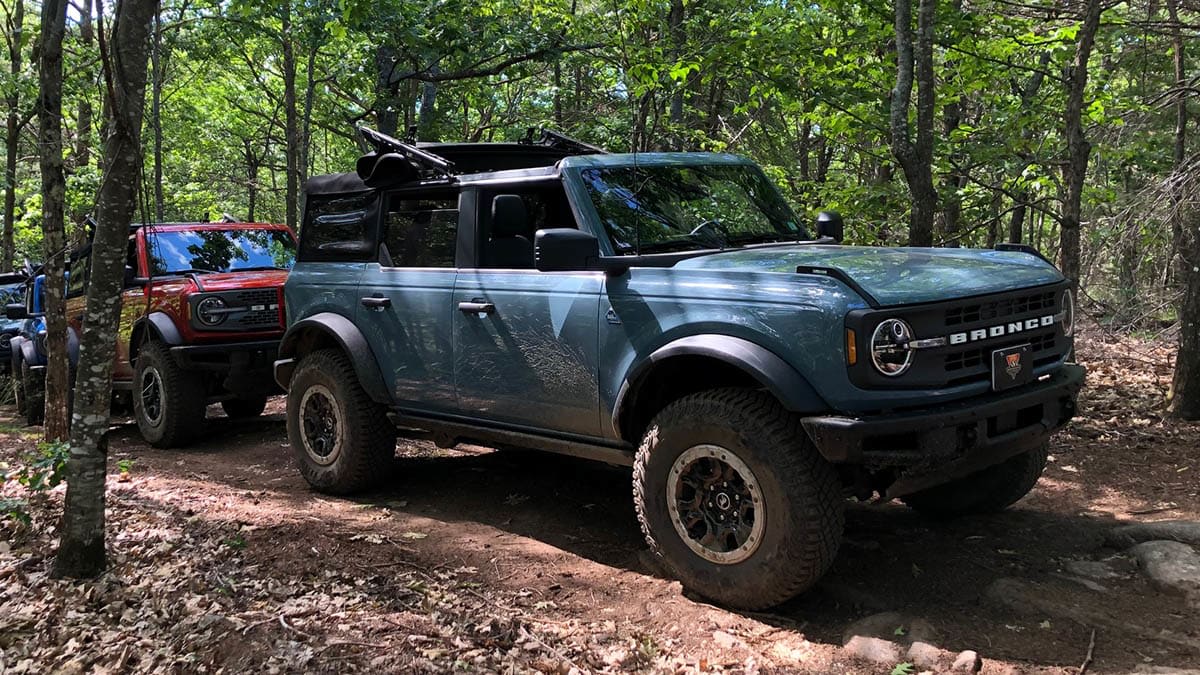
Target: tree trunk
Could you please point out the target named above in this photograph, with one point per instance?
(915, 158)
(1078, 148)
(310, 95)
(427, 112)
(1016, 224)
(12, 135)
(1185, 386)
(158, 69)
(83, 130)
(81, 550)
(1180, 145)
(387, 95)
(291, 123)
(54, 190)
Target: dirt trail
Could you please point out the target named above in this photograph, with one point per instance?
(554, 542)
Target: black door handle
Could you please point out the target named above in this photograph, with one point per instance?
(475, 307)
(376, 302)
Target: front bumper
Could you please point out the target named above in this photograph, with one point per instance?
(245, 365)
(933, 446)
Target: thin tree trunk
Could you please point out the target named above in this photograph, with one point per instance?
(1180, 145)
(915, 158)
(428, 111)
(1078, 148)
(81, 551)
(1185, 386)
(54, 189)
(83, 132)
(12, 135)
(310, 95)
(291, 123)
(158, 68)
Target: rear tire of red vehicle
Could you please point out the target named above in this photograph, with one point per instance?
(168, 401)
(735, 500)
(988, 491)
(342, 439)
(244, 408)
(34, 389)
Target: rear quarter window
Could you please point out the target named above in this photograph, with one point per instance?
(340, 228)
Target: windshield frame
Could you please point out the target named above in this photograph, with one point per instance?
(573, 169)
(154, 238)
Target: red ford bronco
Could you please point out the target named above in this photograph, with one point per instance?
(201, 317)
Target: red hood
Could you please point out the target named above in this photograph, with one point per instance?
(229, 281)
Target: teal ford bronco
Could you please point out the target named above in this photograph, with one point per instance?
(667, 312)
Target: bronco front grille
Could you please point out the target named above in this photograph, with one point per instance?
(251, 310)
(950, 364)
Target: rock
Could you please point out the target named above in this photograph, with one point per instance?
(967, 662)
(1182, 531)
(925, 655)
(873, 649)
(1170, 565)
(893, 627)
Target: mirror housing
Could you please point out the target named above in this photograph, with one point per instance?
(564, 249)
(829, 224)
(16, 311)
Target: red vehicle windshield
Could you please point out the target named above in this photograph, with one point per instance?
(216, 250)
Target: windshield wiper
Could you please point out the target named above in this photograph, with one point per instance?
(192, 270)
(260, 268)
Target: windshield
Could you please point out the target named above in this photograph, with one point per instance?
(656, 209)
(220, 251)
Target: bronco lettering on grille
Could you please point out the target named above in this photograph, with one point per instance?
(1001, 330)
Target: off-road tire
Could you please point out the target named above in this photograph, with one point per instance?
(988, 491)
(801, 497)
(182, 401)
(364, 441)
(18, 386)
(35, 396)
(244, 408)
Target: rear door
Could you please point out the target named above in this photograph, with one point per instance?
(525, 341)
(405, 303)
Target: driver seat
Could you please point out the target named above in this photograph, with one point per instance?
(508, 247)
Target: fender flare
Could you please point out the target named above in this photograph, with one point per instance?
(161, 327)
(15, 354)
(348, 338)
(764, 366)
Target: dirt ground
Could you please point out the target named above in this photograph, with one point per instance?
(224, 560)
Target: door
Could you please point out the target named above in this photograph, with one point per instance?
(526, 341)
(405, 305)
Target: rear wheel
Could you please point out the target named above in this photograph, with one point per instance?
(168, 401)
(988, 491)
(243, 408)
(734, 498)
(342, 440)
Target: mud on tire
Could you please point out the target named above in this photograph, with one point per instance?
(784, 542)
(988, 491)
(342, 440)
(168, 402)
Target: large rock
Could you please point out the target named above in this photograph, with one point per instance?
(1171, 566)
(1182, 531)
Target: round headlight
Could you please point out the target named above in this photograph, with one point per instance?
(889, 347)
(1068, 313)
(208, 311)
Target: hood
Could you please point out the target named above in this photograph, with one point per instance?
(897, 276)
(233, 281)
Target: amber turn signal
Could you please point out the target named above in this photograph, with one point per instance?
(851, 347)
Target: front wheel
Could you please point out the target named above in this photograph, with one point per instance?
(32, 389)
(342, 440)
(736, 500)
(168, 401)
(988, 491)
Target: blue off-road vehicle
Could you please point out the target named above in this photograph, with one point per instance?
(668, 312)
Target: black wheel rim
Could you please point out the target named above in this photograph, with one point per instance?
(151, 396)
(320, 425)
(715, 504)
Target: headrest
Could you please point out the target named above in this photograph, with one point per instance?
(509, 218)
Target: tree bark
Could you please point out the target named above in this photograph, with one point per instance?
(1016, 224)
(1078, 147)
(915, 157)
(81, 551)
(54, 191)
(158, 69)
(12, 135)
(1185, 386)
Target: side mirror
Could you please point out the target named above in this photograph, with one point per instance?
(16, 311)
(829, 224)
(564, 249)
(130, 277)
